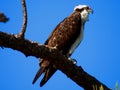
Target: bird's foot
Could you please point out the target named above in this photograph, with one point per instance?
(73, 60)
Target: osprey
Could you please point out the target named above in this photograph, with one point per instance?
(65, 37)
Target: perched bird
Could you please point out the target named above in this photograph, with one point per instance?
(65, 37)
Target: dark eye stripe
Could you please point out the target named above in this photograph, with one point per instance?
(80, 10)
(87, 8)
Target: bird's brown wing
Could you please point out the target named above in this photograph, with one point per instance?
(46, 42)
(62, 37)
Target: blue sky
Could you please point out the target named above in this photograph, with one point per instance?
(98, 54)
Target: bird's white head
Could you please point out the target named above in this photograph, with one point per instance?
(84, 10)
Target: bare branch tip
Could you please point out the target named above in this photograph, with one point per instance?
(23, 30)
(3, 18)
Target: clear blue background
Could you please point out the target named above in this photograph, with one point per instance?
(98, 54)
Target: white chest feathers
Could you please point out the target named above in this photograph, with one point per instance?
(77, 42)
(84, 18)
(84, 15)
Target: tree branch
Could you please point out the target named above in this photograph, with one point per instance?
(22, 32)
(3, 18)
(30, 48)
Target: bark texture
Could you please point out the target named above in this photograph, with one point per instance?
(30, 48)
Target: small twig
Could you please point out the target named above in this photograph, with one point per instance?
(3, 18)
(22, 32)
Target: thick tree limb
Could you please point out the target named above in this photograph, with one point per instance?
(30, 48)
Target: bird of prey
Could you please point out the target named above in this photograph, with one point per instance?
(65, 37)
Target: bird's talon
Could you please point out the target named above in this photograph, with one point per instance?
(73, 60)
